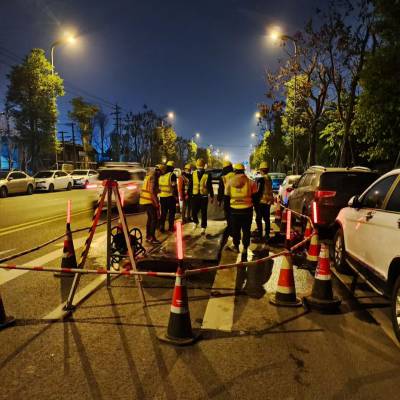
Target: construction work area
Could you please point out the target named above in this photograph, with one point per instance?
(189, 319)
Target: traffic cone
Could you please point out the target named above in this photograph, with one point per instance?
(179, 330)
(313, 251)
(282, 229)
(286, 290)
(4, 319)
(322, 297)
(68, 259)
(308, 231)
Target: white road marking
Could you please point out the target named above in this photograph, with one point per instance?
(7, 251)
(96, 250)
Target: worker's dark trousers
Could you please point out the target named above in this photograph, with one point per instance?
(241, 224)
(200, 203)
(227, 214)
(168, 206)
(263, 213)
(186, 209)
(151, 224)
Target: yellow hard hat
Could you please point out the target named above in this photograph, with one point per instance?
(200, 163)
(226, 164)
(264, 165)
(162, 168)
(188, 166)
(171, 163)
(239, 167)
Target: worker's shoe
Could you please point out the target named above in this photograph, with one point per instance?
(149, 239)
(195, 226)
(255, 234)
(155, 241)
(203, 231)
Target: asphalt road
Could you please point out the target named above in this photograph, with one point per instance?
(109, 348)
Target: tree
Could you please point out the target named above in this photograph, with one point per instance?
(192, 151)
(83, 113)
(168, 147)
(32, 101)
(101, 120)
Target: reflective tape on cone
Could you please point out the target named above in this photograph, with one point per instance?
(323, 271)
(313, 250)
(308, 231)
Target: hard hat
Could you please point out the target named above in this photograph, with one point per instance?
(200, 163)
(188, 166)
(163, 168)
(239, 167)
(226, 164)
(171, 164)
(264, 165)
(158, 166)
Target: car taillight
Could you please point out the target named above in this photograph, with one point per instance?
(319, 194)
(315, 212)
(132, 187)
(289, 189)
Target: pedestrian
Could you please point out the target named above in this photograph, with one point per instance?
(227, 174)
(265, 198)
(200, 188)
(149, 202)
(184, 195)
(241, 191)
(168, 195)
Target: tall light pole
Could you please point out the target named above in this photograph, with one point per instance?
(275, 34)
(68, 38)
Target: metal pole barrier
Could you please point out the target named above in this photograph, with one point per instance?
(108, 257)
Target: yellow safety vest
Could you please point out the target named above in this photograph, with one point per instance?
(200, 186)
(241, 197)
(267, 195)
(145, 194)
(227, 177)
(165, 184)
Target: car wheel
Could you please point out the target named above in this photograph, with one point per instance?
(339, 253)
(51, 188)
(69, 186)
(396, 308)
(29, 190)
(3, 192)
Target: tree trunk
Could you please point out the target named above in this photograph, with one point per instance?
(313, 144)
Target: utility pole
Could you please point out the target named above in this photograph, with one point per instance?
(63, 143)
(117, 128)
(72, 125)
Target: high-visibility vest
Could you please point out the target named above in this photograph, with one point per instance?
(267, 196)
(240, 198)
(165, 184)
(200, 186)
(227, 177)
(146, 192)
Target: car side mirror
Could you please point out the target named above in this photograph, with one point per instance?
(354, 202)
(10, 178)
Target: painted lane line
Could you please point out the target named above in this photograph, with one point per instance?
(16, 228)
(6, 251)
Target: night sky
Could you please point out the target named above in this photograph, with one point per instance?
(204, 60)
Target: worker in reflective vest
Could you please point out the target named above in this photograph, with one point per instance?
(241, 190)
(227, 174)
(184, 196)
(200, 189)
(168, 195)
(265, 198)
(149, 202)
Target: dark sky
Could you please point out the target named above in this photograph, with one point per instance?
(204, 60)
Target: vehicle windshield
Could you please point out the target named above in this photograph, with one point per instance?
(115, 174)
(44, 174)
(347, 182)
(3, 174)
(79, 172)
(276, 182)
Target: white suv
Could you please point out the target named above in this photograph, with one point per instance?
(368, 239)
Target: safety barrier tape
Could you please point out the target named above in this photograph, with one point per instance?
(98, 271)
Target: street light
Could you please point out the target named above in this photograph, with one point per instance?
(68, 38)
(276, 34)
(171, 115)
(197, 135)
(253, 135)
(257, 115)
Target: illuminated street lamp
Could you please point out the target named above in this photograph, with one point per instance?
(257, 115)
(276, 34)
(171, 115)
(68, 38)
(197, 135)
(253, 135)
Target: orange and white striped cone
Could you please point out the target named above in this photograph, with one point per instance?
(286, 291)
(313, 251)
(179, 330)
(5, 320)
(322, 297)
(69, 258)
(308, 231)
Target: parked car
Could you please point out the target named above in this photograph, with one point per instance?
(215, 173)
(130, 180)
(367, 239)
(286, 188)
(53, 180)
(322, 192)
(15, 182)
(277, 179)
(84, 177)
